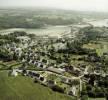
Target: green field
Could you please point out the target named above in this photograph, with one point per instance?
(8, 65)
(96, 99)
(100, 47)
(23, 88)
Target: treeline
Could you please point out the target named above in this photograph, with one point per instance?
(100, 90)
(33, 22)
(18, 22)
(57, 20)
(92, 33)
(4, 39)
(12, 37)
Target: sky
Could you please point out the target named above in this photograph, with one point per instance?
(82, 5)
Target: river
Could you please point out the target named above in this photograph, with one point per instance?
(99, 23)
(50, 30)
(55, 30)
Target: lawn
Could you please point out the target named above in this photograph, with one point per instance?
(23, 88)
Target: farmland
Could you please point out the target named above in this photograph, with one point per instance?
(100, 46)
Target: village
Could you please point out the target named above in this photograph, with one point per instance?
(45, 60)
(38, 63)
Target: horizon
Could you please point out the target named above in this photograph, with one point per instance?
(75, 5)
(50, 9)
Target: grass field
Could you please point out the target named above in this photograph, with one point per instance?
(23, 88)
(96, 99)
(101, 47)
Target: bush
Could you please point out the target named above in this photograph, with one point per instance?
(83, 93)
(85, 97)
(58, 89)
(91, 94)
(89, 87)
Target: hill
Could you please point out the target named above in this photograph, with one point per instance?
(23, 88)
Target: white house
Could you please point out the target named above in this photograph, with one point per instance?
(14, 73)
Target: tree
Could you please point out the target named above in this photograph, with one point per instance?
(89, 87)
(58, 89)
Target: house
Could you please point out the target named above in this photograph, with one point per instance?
(39, 64)
(73, 91)
(23, 60)
(14, 73)
(18, 50)
(55, 70)
(71, 81)
(24, 72)
(30, 61)
(62, 65)
(65, 80)
(23, 38)
(34, 74)
(42, 66)
(35, 63)
(37, 75)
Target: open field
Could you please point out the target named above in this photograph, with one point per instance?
(96, 99)
(100, 47)
(23, 88)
